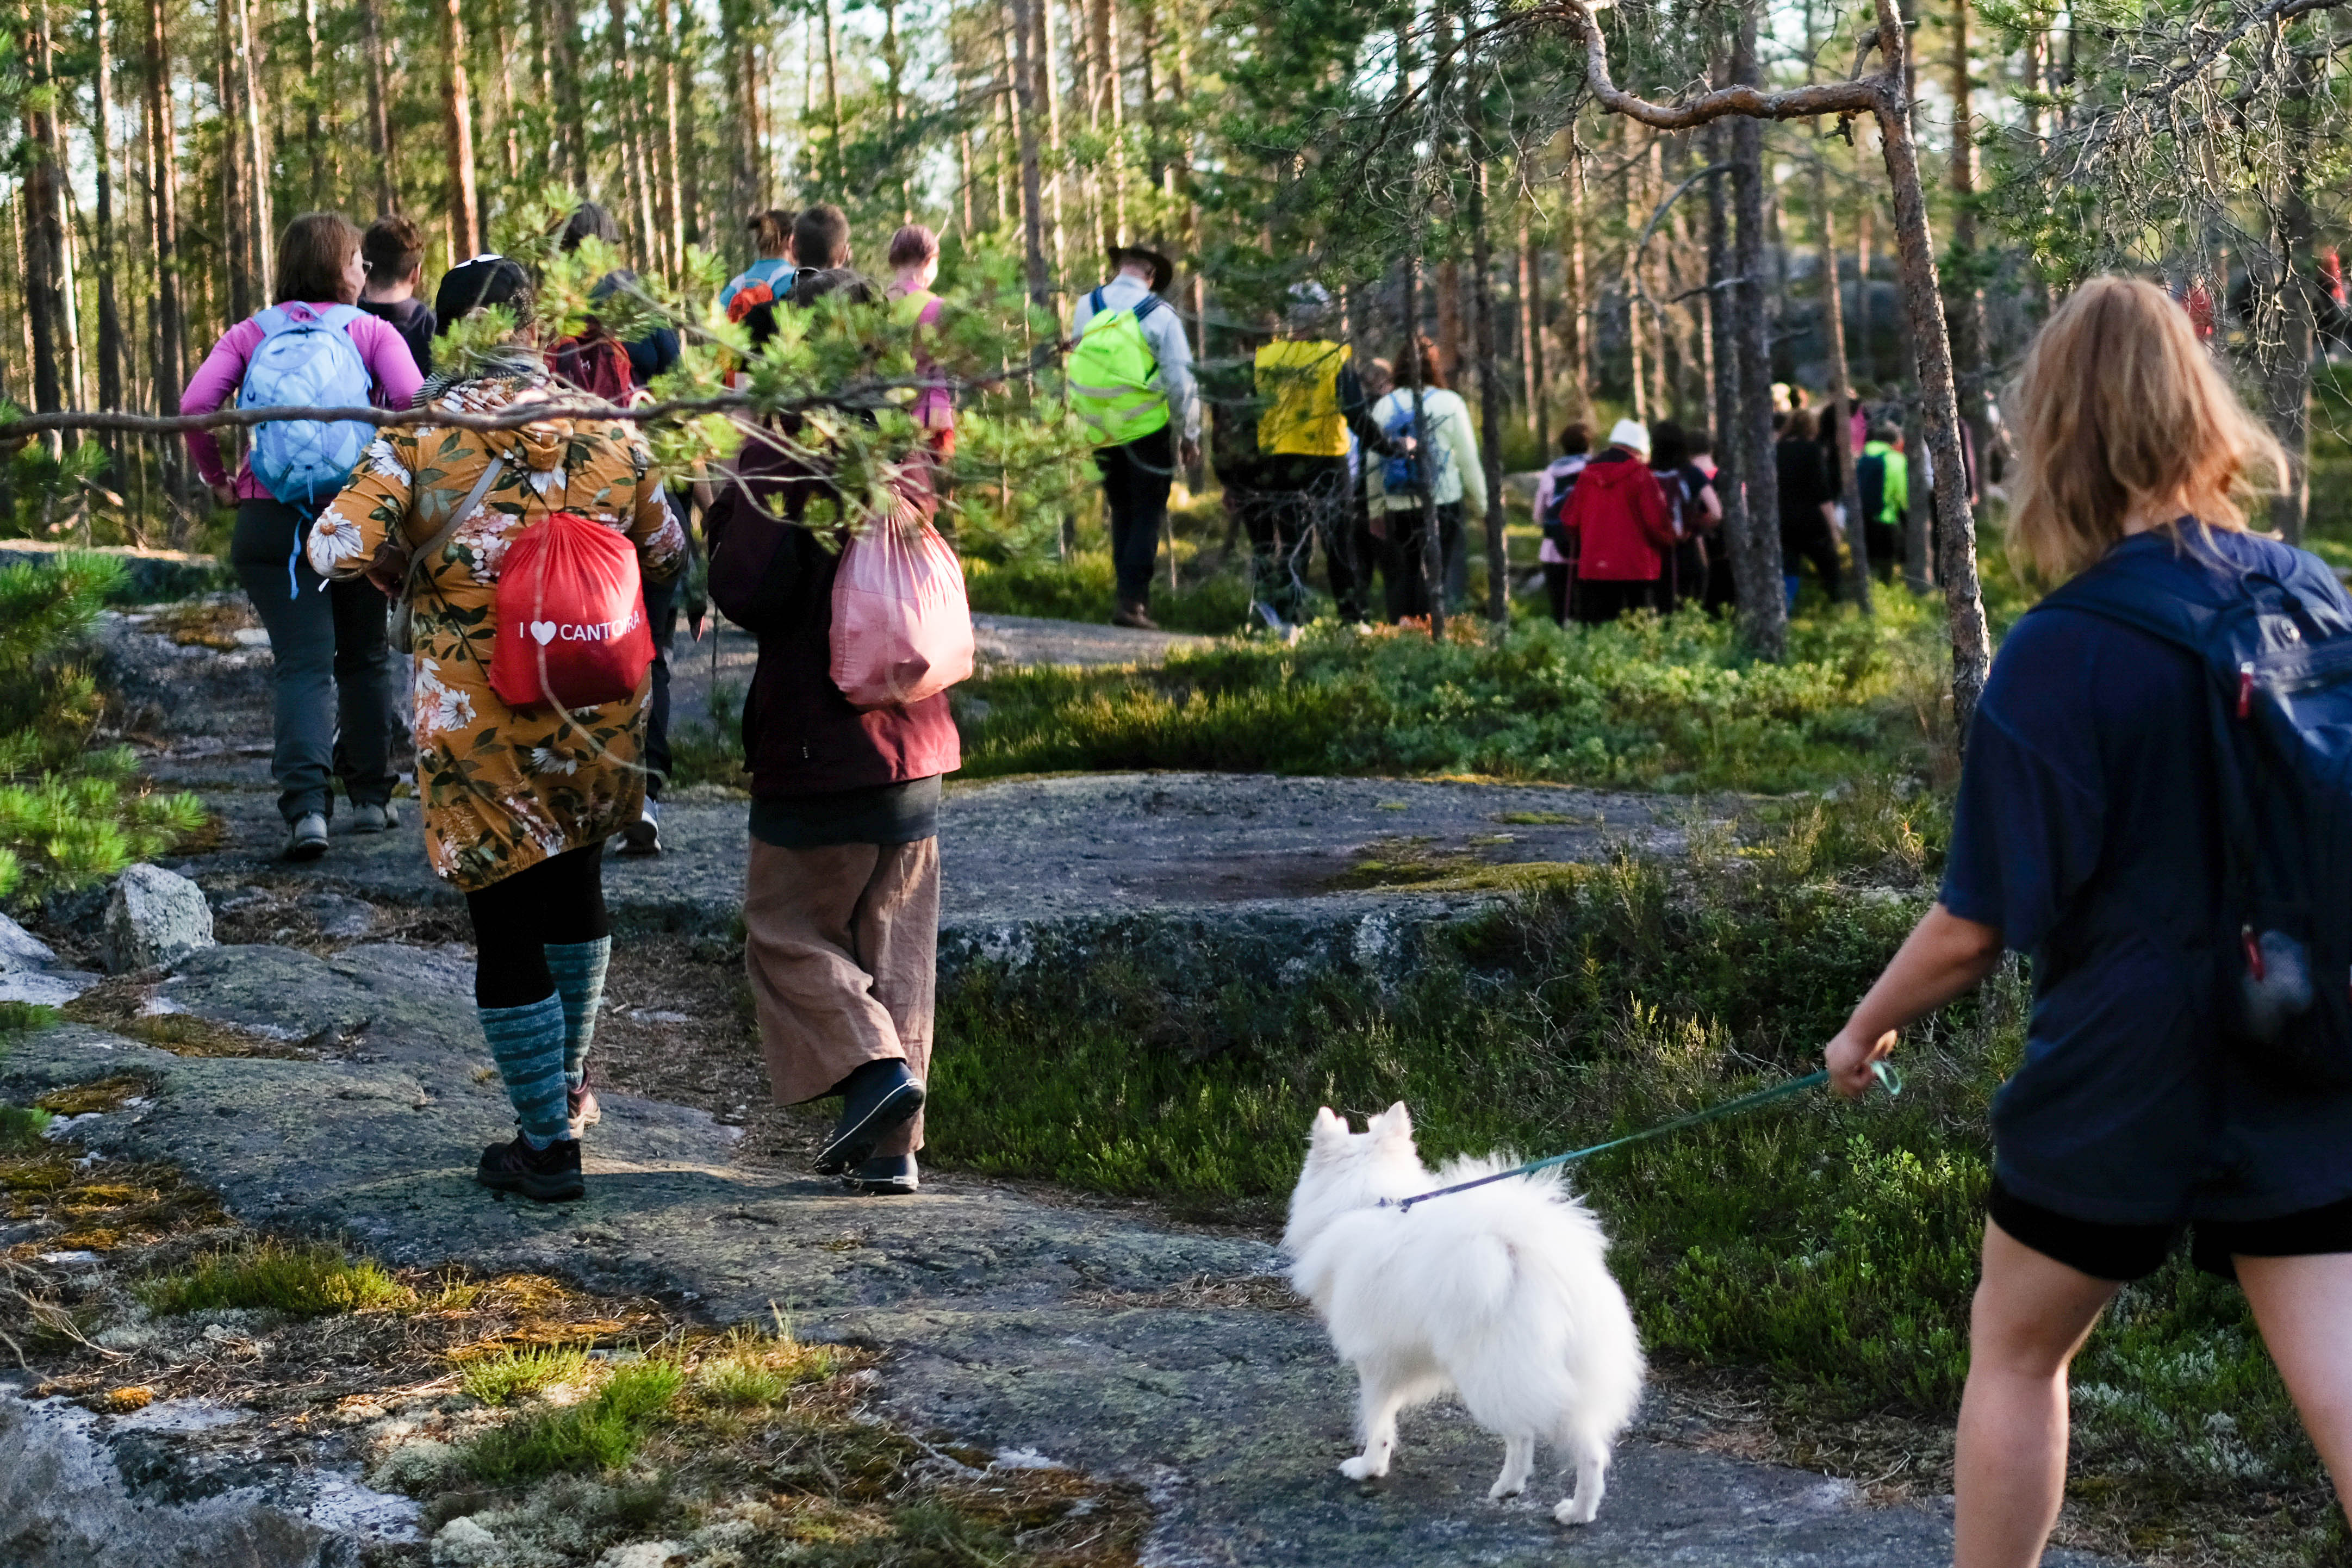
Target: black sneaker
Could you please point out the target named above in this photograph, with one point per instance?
(886, 1175)
(551, 1175)
(876, 1100)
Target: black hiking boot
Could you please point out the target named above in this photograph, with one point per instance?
(876, 1100)
(886, 1175)
(550, 1175)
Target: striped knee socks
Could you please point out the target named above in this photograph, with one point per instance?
(527, 1042)
(579, 971)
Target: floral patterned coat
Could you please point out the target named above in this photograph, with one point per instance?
(502, 790)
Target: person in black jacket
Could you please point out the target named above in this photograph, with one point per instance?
(842, 894)
(1808, 504)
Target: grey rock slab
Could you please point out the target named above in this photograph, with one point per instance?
(21, 950)
(1034, 848)
(46, 987)
(82, 1490)
(154, 917)
(1010, 1318)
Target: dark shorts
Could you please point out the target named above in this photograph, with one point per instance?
(2128, 1252)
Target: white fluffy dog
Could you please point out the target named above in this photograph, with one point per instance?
(1499, 1296)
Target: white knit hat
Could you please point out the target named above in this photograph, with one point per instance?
(1631, 435)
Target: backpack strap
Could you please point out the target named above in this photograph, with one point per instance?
(1095, 303)
(272, 320)
(433, 546)
(1150, 303)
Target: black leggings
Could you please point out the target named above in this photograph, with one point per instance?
(559, 900)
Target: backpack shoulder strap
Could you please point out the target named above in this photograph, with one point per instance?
(1095, 303)
(2118, 596)
(433, 546)
(1150, 303)
(272, 320)
(340, 316)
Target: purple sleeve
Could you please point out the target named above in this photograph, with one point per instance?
(388, 360)
(213, 384)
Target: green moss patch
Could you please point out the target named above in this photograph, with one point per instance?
(301, 1280)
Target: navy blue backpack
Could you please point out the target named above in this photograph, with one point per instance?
(2278, 651)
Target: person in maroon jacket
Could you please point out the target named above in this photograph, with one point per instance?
(840, 910)
(1623, 529)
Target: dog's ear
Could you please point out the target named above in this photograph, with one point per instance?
(1395, 1124)
(1329, 1125)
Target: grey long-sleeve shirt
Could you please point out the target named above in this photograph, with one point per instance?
(1164, 334)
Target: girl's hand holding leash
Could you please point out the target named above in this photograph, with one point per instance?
(1943, 957)
(1850, 1059)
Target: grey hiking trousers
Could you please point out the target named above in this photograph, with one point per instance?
(337, 681)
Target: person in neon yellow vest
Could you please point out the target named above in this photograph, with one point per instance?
(1131, 379)
(1316, 409)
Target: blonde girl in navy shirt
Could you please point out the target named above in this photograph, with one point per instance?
(2086, 834)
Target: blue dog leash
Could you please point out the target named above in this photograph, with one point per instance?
(1887, 1076)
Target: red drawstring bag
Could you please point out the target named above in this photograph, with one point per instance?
(901, 624)
(572, 617)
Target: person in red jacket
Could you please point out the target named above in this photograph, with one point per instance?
(1623, 528)
(841, 906)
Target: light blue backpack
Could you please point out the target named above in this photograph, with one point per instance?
(307, 362)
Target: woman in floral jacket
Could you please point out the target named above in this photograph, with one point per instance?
(516, 805)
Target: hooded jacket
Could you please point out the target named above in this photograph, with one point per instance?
(1620, 517)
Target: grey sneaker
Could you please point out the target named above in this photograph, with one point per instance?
(375, 818)
(307, 840)
(643, 836)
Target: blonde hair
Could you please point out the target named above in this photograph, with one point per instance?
(2120, 407)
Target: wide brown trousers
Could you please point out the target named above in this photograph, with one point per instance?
(841, 944)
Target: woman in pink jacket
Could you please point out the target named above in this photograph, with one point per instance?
(336, 681)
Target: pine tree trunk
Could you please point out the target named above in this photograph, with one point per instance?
(1033, 202)
(1491, 396)
(256, 204)
(109, 316)
(1531, 338)
(565, 63)
(1956, 552)
(1730, 465)
(2287, 386)
(1841, 394)
(458, 125)
(1042, 60)
(832, 101)
(314, 143)
(673, 179)
(1754, 558)
(1862, 328)
(1108, 119)
(379, 90)
(1575, 317)
(42, 312)
(163, 180)
(743, 93)
(1964, 295)
(47, 190)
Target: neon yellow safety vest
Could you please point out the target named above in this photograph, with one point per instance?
(1113, 374)
(1303, 379)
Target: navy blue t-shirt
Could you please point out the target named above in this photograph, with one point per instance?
(2085, 832)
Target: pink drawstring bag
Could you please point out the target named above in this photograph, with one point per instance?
(901, 624)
